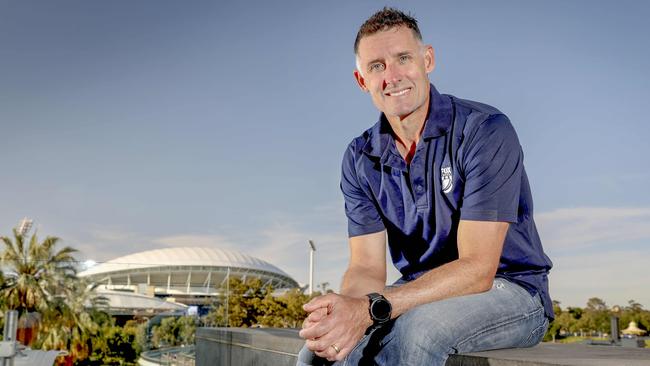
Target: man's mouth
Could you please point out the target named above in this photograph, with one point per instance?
(398, 93)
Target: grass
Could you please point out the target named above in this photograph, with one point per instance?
(578, 339)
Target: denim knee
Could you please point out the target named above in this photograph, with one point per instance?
(417, 334)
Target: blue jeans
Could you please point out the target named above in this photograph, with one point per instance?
(506, 316)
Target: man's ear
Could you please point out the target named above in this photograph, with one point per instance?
(360, 80)
(429, 58)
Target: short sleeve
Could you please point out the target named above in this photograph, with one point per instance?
(493, 166)
(361, 211)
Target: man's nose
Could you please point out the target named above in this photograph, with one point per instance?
(392, 74)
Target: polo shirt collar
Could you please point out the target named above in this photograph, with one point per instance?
(439, 117)
(381, 142)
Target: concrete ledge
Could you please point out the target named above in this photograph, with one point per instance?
(273, 347)
(244, 346)
(552, 354)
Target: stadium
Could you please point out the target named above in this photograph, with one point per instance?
(192, 276)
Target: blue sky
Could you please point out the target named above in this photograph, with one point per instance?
(129, 126)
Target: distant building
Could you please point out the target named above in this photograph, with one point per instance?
(633, 329)
(191, 276)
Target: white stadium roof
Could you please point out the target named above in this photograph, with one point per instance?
(185, 270)
(190, 256)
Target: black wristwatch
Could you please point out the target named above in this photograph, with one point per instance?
(379, 308)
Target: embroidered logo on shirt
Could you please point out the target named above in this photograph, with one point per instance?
(445, 177)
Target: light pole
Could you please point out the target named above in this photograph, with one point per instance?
(8, 349)
(312, 249)
(613, 321)
(24, 226)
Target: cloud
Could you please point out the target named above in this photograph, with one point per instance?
(286, 245)
(573, 228)
(111, 235)
(597, 252)
(281, 239)
(614, 276)
(102, 243)
(193, 240)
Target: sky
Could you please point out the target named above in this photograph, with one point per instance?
(134, 125)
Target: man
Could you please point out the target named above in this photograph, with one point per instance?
(443, 179)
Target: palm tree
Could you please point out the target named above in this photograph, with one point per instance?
(41, 279)
(68, 322)
(3, 283)
(34, 273)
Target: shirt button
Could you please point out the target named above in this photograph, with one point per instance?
(419, 188)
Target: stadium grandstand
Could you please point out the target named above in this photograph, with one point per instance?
(192, 276)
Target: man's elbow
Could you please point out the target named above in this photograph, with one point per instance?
(484, 283)
(376, 273)
(484, 276)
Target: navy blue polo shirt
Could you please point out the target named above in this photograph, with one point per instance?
(467, 165)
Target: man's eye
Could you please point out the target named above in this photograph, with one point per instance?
(377, 67)
(403, 59)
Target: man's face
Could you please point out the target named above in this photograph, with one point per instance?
(393, 67)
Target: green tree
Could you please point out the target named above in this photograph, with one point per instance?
(554, 328)
(294, 314)
(252, 304)
(174, 331)
(164, 335)
(69, 323)
(634, 306)
(35, 272)
(269, 311)
(114, 345)
(120, 346)
(596, 304)
(575, 312)
(186, 330)
(634, 313)
(242, 304)
(595, 317)
(141, 337)
(41, 283)
(3, 284)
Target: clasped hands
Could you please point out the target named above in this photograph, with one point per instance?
(335, 325)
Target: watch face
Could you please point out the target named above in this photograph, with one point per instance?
(381, 309)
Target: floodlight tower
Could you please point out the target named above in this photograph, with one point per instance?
(24, 226)
(312, 249)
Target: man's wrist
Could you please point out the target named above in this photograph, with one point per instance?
(363, 305)
(379, 308)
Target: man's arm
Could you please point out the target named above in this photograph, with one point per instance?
(479, 249)
(342, 319)
(366, 271)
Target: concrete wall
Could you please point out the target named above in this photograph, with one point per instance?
(275, 347)
(243, 346)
